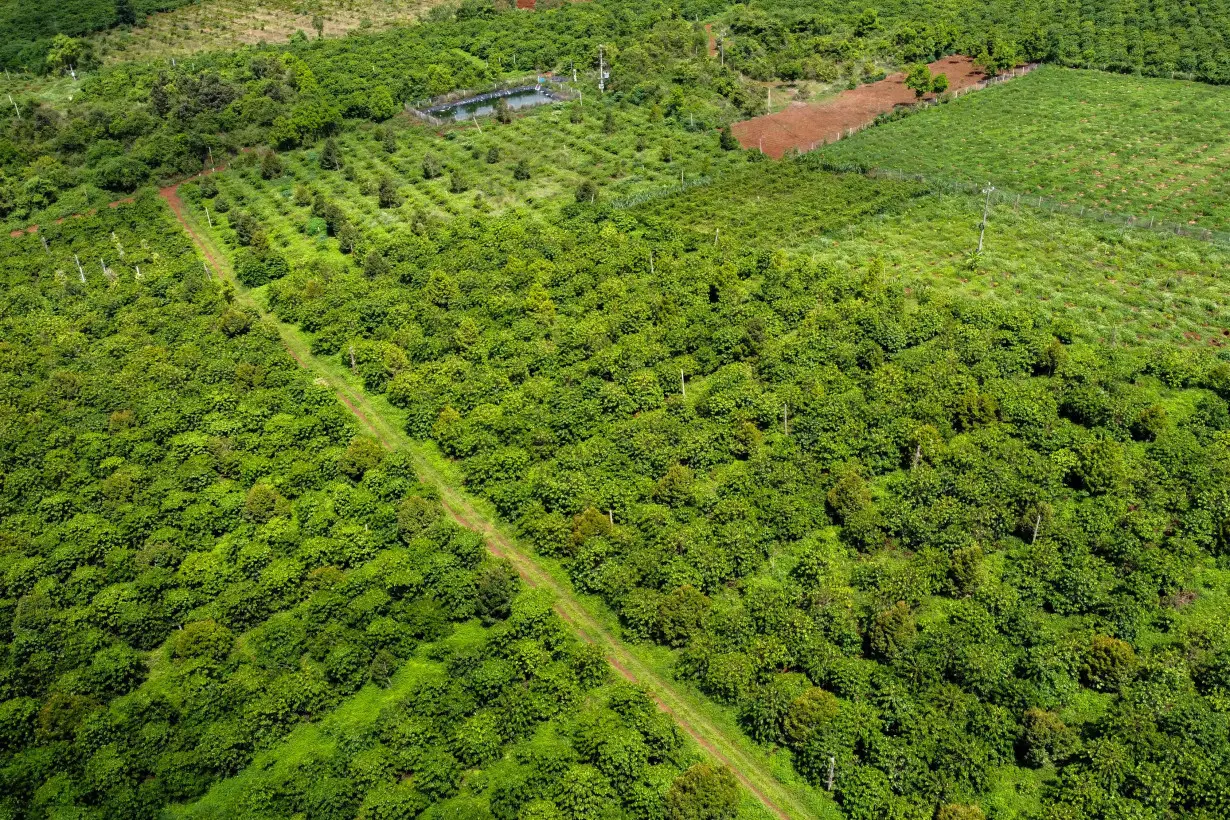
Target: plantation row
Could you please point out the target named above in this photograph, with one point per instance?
(1151, 148)
(199, 556)
(384, 179)
(1098, 281)
(932, 543)
(235, 23)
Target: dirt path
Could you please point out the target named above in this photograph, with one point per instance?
(805, 126)
(383, 422)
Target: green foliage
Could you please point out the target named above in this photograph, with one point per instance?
(937, 435)
(1084, 138)
(703, 793)
(919, 80)
(211, 516)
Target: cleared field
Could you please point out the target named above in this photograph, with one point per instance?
(221, 24)
(802, 125)
(1146, 147)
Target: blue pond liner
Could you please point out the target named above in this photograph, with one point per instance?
(525, 96)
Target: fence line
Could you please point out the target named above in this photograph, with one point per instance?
(1016, 199)
(921, 105)
(941, 185)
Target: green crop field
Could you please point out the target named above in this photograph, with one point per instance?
(1108, 283)
(229, 23)
(1146, 147)
(624, 155)
(576, 464)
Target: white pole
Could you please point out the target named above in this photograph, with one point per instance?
(15, 108)
(683, 385)
(81, 272)
(985, 208)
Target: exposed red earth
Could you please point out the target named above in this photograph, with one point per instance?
(804, 125)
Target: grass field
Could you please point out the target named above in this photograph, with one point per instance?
(1146, 147)
(1108, 283)
(217, 24)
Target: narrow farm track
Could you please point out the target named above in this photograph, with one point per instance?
(385, 426)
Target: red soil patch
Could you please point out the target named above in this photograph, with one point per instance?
(804, 125)
(712, 40)
(60, 221)
(525, 4)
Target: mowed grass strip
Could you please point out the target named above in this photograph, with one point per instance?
(1148, 147)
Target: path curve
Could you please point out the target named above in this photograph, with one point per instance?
(753, 774)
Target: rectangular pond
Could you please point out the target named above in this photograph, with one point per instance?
(484, 104)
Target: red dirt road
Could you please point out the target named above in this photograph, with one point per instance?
(803, 125)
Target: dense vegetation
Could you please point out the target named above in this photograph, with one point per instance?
(1096, 281)
(198, 554)
(30, 28)
(1152, 148)
(137, 122)
(976, 547)
(948, 531)
(827, 40)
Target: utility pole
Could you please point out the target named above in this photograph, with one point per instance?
(769, 105)
(785, 419)
(683, 385)
(651, 263)
(80, 272)
(207, 216)
(602, 72)
(986, 207)
(832, 764)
